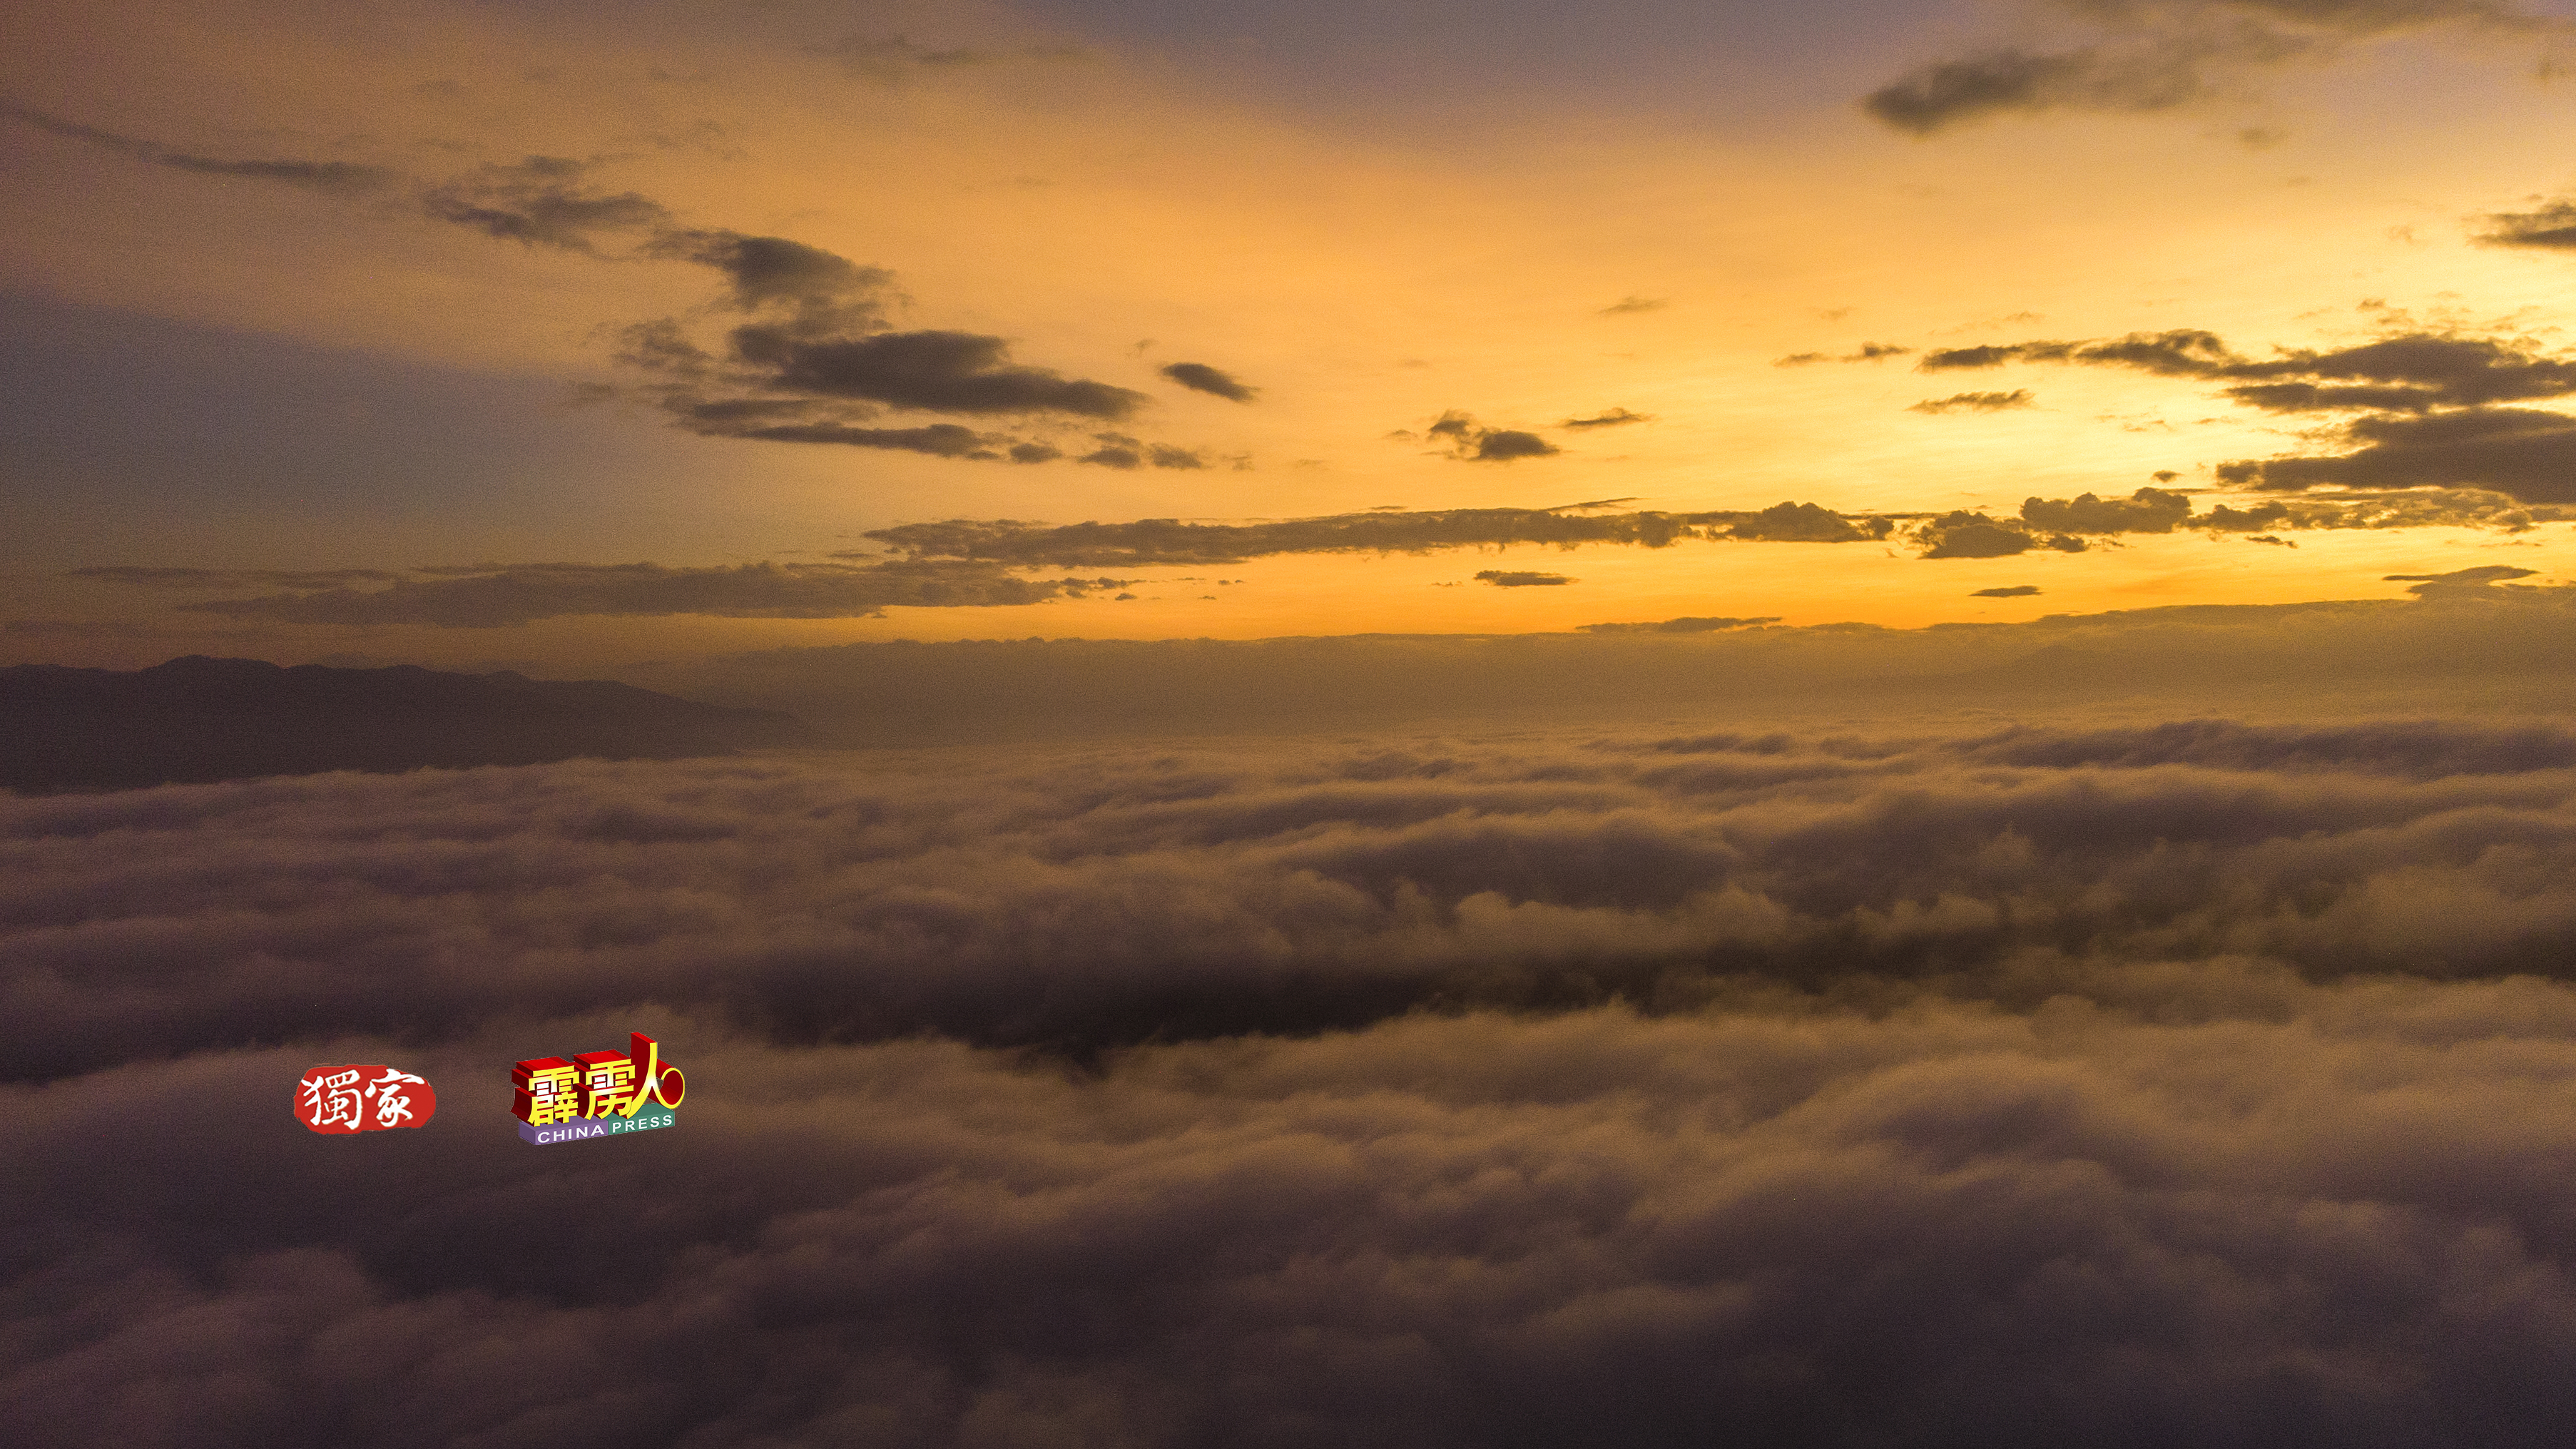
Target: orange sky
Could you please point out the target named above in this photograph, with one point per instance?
(231, 369)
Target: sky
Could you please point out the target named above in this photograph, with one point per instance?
(332, 325)
(1513, 725)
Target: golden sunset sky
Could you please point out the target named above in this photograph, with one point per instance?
(309, 304)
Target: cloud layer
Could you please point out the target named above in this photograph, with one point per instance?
(1096, 900)
(2116, 1083)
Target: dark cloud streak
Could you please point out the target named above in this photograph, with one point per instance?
(1689, 624)
(331, 178)
(1614, 418)
(1869, 352)
(2525, 454)
(1975, 402)
(1962, 534)
(1473, 442)
(894, 59)
(2149, 59)
(960, 372)
(1172, 541)
(541, 201)
(2149, 510)
(1944, 94)
(2550, 228)
(1199, 377)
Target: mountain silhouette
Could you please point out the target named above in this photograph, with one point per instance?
(199, 719)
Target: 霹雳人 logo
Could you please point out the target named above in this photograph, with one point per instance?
(596, 1094)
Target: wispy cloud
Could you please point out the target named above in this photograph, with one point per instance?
(1975, 402)
(493, 596)
(2148, 58)
(1633, 303)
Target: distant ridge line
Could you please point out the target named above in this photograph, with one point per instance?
(197, 719)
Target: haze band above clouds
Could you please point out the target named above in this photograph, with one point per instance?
(970, 563)
(2117, 1134)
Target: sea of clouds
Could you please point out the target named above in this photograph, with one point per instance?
(2117, 1084)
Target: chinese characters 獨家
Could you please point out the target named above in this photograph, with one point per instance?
(368, 1098)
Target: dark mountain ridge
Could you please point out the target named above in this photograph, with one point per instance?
(198, 719)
